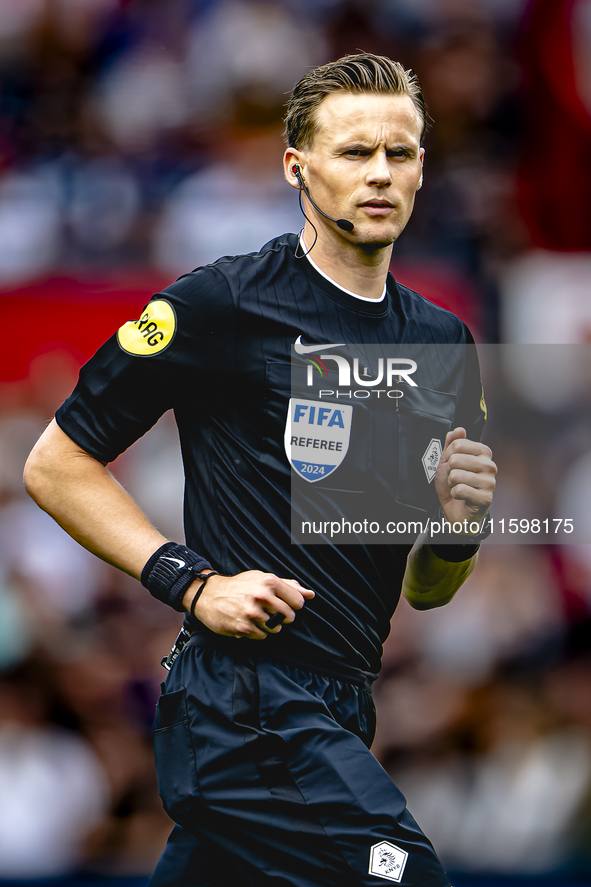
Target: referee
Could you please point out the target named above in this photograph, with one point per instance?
(263, 731)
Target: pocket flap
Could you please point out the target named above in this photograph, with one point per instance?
(171, 709)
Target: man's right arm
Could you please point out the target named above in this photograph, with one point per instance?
(85, 499)
(82, 495)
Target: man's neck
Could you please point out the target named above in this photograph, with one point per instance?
(362, 271)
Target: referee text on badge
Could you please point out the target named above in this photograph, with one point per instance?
(317, 437)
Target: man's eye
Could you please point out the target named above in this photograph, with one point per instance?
(353, 152)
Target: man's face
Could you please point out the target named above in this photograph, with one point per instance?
(365, 163)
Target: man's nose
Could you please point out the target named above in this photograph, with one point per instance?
(378, 170)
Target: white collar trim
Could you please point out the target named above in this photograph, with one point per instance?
(334, 283)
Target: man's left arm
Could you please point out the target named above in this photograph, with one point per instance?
(465, 483)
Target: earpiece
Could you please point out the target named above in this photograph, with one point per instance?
(343, 224)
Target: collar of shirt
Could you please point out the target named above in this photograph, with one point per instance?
(334, 283)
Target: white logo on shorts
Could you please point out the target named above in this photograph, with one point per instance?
(387, 861)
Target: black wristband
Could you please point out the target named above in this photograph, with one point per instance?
(456, 547)
(169, 572)
(455, 554)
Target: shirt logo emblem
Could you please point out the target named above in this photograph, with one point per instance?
(152, 333)
(317, 437)
(310, 349)
(387, 861)
(431, 458)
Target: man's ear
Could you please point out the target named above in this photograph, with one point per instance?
(291, 159)
(422, 159)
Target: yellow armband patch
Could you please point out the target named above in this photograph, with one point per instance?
(483, 404)
(152, 333)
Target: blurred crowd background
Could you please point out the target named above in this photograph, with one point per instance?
(141, 138)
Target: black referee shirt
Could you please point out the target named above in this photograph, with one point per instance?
(216, 347)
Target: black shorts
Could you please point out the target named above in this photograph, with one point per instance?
(266, 768)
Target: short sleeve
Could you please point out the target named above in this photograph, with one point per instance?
(142, 370)
(471, 410)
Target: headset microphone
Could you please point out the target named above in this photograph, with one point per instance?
(343, 224)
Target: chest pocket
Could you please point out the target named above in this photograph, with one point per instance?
(424, 418)
(353, 474)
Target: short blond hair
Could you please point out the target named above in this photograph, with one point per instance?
(363, 72)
